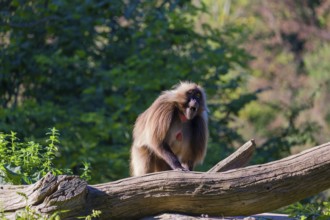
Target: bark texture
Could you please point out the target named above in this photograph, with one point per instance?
(243, 191)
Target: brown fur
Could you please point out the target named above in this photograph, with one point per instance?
(162, 141)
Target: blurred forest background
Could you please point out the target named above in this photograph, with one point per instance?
(89, 68)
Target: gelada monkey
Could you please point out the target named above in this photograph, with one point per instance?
(172, 133)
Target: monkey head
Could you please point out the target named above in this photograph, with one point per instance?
(191, 100)
(192, 105)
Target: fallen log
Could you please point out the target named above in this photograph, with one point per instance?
(243, 191)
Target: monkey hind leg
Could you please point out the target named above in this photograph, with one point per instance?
(140, 161)
(143, 161)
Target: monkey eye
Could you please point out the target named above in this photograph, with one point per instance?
(198, 95)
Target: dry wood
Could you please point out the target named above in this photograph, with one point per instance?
(244, 191)
(238, 159)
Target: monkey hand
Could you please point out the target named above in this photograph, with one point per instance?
(182, 169)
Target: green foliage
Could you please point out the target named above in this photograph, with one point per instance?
(95, 214)
(86, 171)
(90, 68)
(309, 211)
(282, 138)
(284, 116)
(27, 162)
(30, 214)
(318, 68)
(317, 65)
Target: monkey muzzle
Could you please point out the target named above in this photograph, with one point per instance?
(192, 109)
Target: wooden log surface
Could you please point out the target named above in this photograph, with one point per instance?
(243, 191)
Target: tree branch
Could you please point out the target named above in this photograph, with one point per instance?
(244, 191)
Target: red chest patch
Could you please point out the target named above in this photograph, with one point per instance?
(179, 136)
(183, 117)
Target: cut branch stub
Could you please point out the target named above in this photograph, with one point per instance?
(238, 159)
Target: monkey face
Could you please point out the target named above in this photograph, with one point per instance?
(192, 106)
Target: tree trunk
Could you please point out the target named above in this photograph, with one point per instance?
(243, 191)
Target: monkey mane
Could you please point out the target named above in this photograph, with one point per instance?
(185, 85)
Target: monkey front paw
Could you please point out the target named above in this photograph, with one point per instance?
(182, 169)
